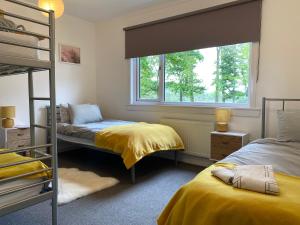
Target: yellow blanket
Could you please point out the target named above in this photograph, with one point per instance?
(20, 169)
(135, 141)
(208, 201)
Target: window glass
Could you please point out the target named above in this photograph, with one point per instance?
(149, 77)
(212, 75)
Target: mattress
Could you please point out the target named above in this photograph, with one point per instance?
(20, 195)
(284, 156)
(88, 131)
(15, 51)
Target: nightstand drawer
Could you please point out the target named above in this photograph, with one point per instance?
(226, 142)
(218, 156)
(225, 151)
(19, 143)
(18, 134)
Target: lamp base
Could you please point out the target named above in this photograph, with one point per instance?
(8, 123)
(222, 127)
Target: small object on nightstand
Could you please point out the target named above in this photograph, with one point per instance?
(222, 119)
(13, 138)
(7, 115)
(225, 143)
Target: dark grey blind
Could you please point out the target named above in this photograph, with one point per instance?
(232, 23)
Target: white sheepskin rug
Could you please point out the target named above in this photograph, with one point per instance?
(74, 184)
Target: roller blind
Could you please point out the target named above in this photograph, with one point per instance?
(231, 23)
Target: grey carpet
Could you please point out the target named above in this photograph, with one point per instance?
(124, 204)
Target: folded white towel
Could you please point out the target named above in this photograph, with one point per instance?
(259, 178)
(224, 174)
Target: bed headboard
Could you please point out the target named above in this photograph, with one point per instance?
(48, 116)
(264, 102)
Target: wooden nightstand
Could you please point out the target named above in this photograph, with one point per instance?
(225, 143)
(14, 137)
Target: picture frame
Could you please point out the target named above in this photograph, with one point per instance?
(69, 54)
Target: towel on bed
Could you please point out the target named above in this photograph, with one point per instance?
(259, 178)
(135, 141)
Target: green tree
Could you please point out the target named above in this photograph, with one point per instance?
(232, 73)
(180, 76)
(149, 79)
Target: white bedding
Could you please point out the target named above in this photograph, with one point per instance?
(20, 195)
(10, 50)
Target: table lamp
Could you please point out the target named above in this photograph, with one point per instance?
(7, 115)
(222, 119)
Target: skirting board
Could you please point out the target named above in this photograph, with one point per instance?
(187, 158)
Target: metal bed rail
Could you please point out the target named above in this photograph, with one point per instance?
(35, 150)
(264, 102)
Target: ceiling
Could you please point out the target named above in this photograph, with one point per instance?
(96, 10)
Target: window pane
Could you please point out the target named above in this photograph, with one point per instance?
(149, 77)
(212, 75)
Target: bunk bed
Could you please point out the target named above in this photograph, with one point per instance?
(34, 182)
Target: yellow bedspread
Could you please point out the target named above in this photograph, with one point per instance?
(208, 201)
(135, 141)
(20, 169)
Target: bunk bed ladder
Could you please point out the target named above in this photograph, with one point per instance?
(52, 126)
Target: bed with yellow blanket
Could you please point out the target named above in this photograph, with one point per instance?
(9, 172)
(206, 200)
(131, 140)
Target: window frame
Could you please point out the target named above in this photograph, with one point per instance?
(135, 77)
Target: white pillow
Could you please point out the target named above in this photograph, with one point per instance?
(85, 113)
(288, 125)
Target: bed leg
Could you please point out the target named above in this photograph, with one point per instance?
(176, 158)
(132, 172)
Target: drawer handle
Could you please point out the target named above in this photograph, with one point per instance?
(225, 142)
(20, 135)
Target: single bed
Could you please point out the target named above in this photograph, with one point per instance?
(131, 140)
(206, 200)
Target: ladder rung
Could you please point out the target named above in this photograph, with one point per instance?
(40, 126)
(40, 99)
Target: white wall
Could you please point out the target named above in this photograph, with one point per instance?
(74, 83)
(279, 75)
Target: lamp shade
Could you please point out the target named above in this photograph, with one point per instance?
(223, 115)
(56, 5)
(8, 112)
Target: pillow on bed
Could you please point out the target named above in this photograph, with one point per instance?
(288, 125)
(64, 114)
(85, 113)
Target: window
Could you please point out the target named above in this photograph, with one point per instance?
(217, 75)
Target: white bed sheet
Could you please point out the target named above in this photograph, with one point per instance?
(15, 51)
(20, 195)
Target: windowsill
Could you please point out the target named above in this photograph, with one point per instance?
(238, 111)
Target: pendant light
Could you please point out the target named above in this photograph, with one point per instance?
(56, 5)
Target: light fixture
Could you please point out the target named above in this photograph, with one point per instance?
(56, 5)
(7, 115)
(222, 119)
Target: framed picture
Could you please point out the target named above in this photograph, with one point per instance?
(69, 54)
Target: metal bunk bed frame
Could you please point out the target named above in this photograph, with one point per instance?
(31, 66)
